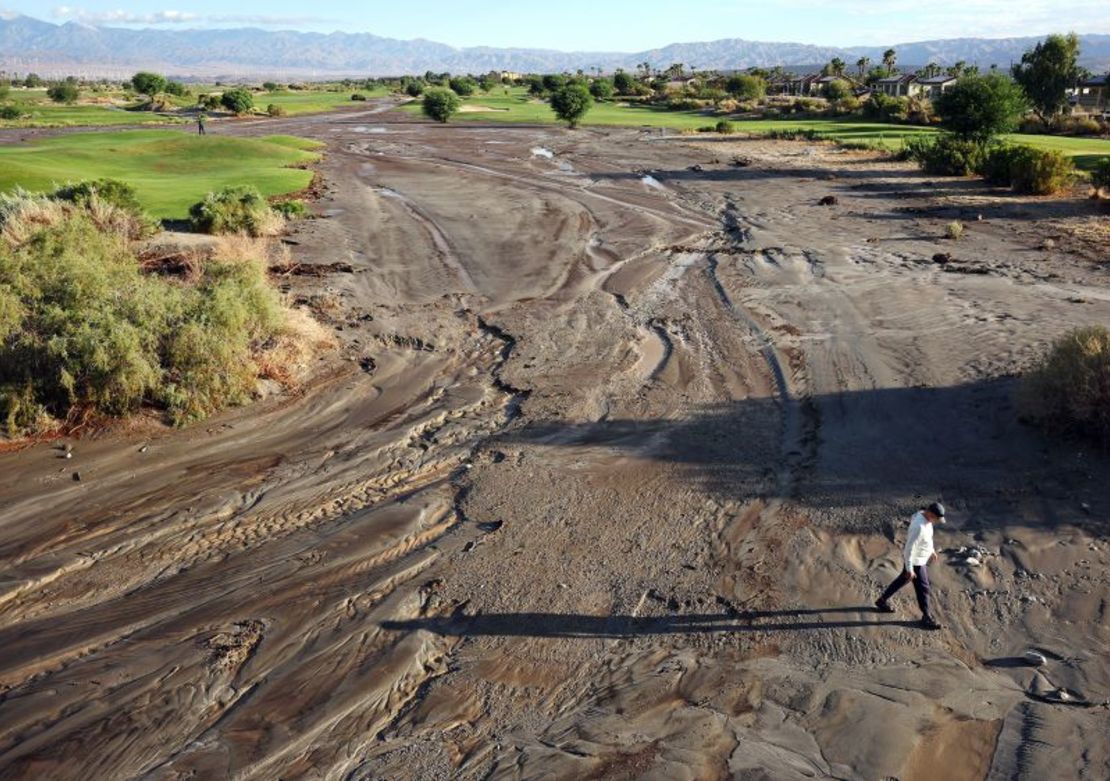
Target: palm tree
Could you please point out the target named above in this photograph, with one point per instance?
(646, 68)
(930, 70)
(836, 67)
(676, 70)
(862, 64)
(889, 60)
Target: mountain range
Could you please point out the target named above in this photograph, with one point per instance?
(31, 45)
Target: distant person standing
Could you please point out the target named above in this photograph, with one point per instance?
(916, 555)
(201, 119)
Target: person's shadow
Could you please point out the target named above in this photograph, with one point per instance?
(585, 626)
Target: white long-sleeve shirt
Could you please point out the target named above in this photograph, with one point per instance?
(919, 542)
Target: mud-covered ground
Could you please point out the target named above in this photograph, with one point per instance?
(617, 452)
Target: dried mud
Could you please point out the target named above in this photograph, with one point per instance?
(614, 457)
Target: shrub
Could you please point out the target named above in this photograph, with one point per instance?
(209, 102)
(177, 89)
(274, 110)
(846, 105)
(1040, 171)
(235, 209)
(93, 194)
(886, 107)
(746, 87)
(683, 104)
(463, 86)
(946, 155)
(998, 165)
(63, 92)
(414, 88)
(724, 127)
(601, 89)
(10, 112)
(270, 86)
(23, 215)
(1100, 174)
(571, 103)
(291, 209)
(623, 83)
(837, 89)
(239, 101)
(954, 230)
(1069, 390)
(440, 104)
(358, 96)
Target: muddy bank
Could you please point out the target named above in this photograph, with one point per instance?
(612, 461)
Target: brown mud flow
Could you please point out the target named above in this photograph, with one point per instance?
(616, 453)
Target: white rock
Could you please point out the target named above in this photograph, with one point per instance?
(1035, 658)
(971, 561)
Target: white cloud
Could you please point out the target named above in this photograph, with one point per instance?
(86, 16)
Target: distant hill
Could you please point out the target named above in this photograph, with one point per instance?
(32, 45)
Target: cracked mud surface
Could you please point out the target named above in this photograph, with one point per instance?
(612, 460)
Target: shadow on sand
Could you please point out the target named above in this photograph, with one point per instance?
(570, 625)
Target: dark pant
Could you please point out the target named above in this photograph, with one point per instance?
(200, 130)
(920, 587)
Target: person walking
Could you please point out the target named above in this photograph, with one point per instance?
(916, 555)
(201, 119)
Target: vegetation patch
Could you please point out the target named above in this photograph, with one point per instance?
(1069, 390)
(236, 209)
(86, 331)
(169, 171)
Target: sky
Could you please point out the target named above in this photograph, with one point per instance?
(609, 25)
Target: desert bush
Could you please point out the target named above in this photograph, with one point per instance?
(846, 105)
(463, 86)
(440, 104)
(94, 194)
(274, 110)
(1040, 171)
(239, 101)
(1078, 126)
(683, 104)
(63, 92)
(83, 330)
(978, 108)
(771, 113)
(414, 88)
(291, 209)
(998, 164)
(358, 96)
(838, 89)
(23, 214)
(946, 154)
(236, 209)
(1068, 391)
(954, 230)
(1100, 174)
(724, 127)
(886, 107)
(10, 112)
(746, 87)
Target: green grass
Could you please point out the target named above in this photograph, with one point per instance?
(169, 170)
(517, 106)
(312, 101)
(43, 112)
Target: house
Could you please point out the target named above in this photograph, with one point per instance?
(935, 86)
(1091, 96)
(803, 85)
(900, 85)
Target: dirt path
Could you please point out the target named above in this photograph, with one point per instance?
(617, 451)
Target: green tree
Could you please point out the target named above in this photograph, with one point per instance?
(63, 92)
(176, 88)
(978, 108)
(571, 103)
(32, 81)
(462, 85)
(863, 64)
(270, 86)
(623, 83)
(239, 101)
(601, 89)
(414, 88)
(440, 104)
(929, 71)
(1047, 71)
(890, 59)
(554, 81)
(838, 89)
(147, 83)
(743, 86)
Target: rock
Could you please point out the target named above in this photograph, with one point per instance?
(941, 258)
(143, 449)
(971, 561)
(1062, 695)
(740, 162)
(77, 477)
(1035, 658)
(696, 168)
(828, 200)
(69, 454)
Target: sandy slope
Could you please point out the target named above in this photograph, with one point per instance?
(614, 457)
